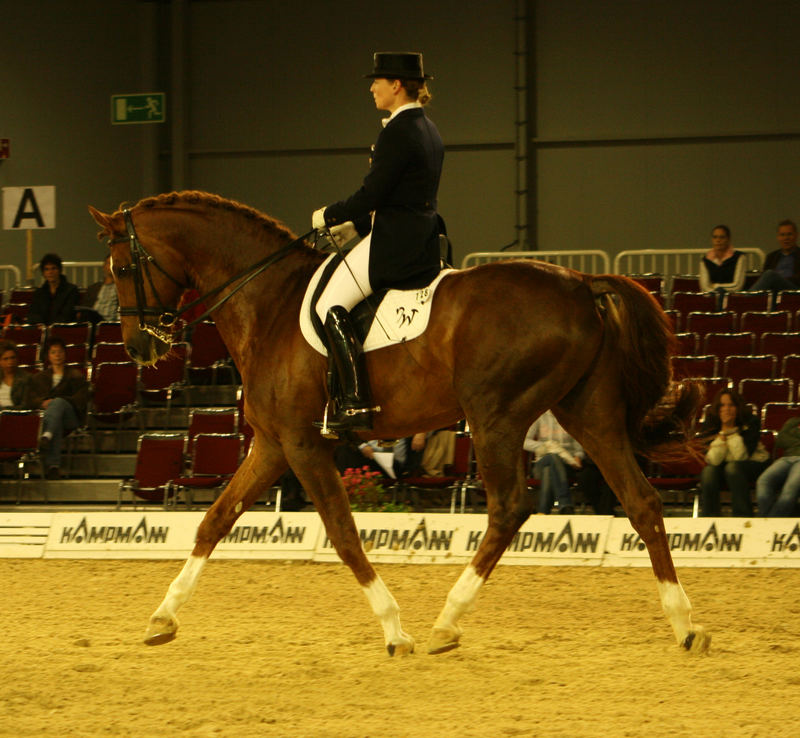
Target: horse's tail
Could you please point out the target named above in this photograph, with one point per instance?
(660, 412)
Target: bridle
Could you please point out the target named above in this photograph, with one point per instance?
(170, 318)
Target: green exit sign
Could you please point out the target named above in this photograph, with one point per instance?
(141, 108)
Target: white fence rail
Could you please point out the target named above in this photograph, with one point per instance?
(590, 262)
(81, 273)
(668, 262)
(10, 277)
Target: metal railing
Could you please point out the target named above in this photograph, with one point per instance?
(666, 262)
(590, 262)
(669, 262)
(10, 277)
(81, 273)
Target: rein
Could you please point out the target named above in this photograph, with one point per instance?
(167, 318)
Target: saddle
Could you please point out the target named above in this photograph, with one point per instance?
(383, 319)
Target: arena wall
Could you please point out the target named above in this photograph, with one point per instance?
(582, 540)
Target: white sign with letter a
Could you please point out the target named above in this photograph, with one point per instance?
(29, 208)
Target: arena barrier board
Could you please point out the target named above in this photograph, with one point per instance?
(408, 538)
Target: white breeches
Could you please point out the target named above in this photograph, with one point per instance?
(349, 283)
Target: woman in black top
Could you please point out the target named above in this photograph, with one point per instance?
(394, 211)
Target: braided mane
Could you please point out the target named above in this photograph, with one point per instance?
(209, 200)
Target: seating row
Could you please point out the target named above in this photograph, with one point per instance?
(738, 302)
(728, 321)
(778, 343)
(737, 367)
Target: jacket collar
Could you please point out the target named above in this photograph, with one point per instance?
(402, 108)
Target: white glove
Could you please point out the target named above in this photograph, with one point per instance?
(343, 233)
(318, 218)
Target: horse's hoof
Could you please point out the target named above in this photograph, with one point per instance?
(443, 640)
(697, 641)
(160, 630)
(401, 648)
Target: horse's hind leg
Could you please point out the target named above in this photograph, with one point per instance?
(509, 505)
(600, 431)
(259, 470)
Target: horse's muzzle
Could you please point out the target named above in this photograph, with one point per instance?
(144, 348)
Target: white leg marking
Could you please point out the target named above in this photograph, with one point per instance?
(459, 600)
(677, 609)
(387, 611)
(181, 588)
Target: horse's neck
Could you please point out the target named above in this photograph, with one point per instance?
(266, 300)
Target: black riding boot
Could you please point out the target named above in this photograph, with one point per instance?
(354, 412)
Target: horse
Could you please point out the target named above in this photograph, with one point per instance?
(505, 342)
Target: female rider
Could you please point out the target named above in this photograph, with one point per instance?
(394, 212)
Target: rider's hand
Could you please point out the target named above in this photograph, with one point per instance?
(343, 233)
(318, 218)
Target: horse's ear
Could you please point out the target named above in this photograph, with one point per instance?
(103, 220)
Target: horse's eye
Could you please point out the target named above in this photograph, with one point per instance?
(123, 271)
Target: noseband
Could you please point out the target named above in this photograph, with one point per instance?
(168, 318)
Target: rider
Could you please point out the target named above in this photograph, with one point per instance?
(394, 212)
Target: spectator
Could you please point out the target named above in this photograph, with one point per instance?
(14, 381)
(722, 269)
(554, 450)
(63, 393)
(102, 297)
(735, 456)
(372, 454)
(426, 454)
(55, 300)
(782, 266)
(778, 488)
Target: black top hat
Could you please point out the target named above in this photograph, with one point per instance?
(398, 65)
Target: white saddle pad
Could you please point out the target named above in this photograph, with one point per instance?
(402, 314)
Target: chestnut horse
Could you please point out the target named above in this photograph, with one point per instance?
(505, 342)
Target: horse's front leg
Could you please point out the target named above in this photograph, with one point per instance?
(322, 482)
(259, 470)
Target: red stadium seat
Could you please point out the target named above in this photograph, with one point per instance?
(737, 368)
(705, 323)
(780, 344)
(758, 322)
(694, 366)
(761, 391)
(775, 414)
(740, 302)
(159, 460)
(728, 344)
(687, 302)
(688, 343)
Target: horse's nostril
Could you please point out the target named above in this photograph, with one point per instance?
(133, 352)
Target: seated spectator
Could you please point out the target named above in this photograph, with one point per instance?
(722, 269)
(102, 302)
(63, 394)
(778, 487)
(554, 450)
(425, 454)
(782, 266)
(14, 381)
(370, 454)
(595, 489)
(55, 300)
(735, 455)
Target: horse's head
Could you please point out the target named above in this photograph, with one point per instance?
(150, 278)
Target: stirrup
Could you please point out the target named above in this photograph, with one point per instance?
(324, 430)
